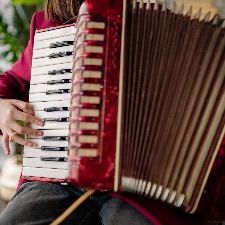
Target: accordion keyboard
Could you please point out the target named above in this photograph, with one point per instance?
(49, 96)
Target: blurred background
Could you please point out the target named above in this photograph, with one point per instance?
(15, 16)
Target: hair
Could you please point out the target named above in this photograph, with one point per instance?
(62, 10)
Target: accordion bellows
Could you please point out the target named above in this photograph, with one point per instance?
(147, 102)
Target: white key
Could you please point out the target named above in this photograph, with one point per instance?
(33, 152)
(45, 172)
(46, 61)
(37, 162)
(43, 79)
(38, 97)
(52, 125)
(40, 106)
(43, 88)
(38, 143)
(47, 43)
(55, 32)
(43, 70)
(57, 114)
(45, 52)
(57, 133)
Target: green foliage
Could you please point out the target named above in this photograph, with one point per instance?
(10, 39)
(16, 39)
(28, 2)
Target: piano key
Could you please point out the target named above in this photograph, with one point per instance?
(59, 81)
(54, 33)
(56, 114)
(40, 88)
(38, 162)
(54, 159)
(58, 72)
(43, 70)
(43, 79)
(52, 125)
(59, 119)
(56, 109)
(54, 149)
(38, 143)
(50, 133)
(60, 44)
(55, 138)
(47, 43)
(60, 54)
(45, 172)
(38, 97)
(41, 53)
(46, 61)
(41, 106)
(34, 152)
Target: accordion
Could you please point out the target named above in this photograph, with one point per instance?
(133, 101)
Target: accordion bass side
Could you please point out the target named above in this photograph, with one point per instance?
(151, 84)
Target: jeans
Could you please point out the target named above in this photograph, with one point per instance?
(38, 203)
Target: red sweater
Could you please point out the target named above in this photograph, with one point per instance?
(14, 84)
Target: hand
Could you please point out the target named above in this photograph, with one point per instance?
(12, 111)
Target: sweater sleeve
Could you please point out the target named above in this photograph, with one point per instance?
(14, 84)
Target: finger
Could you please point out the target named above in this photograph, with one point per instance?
(5, 143)
(25, 130)
(15, 137)
(27, 118)
(24, 106)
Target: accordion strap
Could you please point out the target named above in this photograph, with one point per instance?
(75, 205)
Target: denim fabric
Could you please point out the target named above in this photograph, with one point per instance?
(39, 203)
(118, 212)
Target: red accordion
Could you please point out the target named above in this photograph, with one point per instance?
(146, 109)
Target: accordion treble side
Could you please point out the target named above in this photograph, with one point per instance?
(160, 102)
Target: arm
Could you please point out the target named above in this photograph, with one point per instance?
(14, 84)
